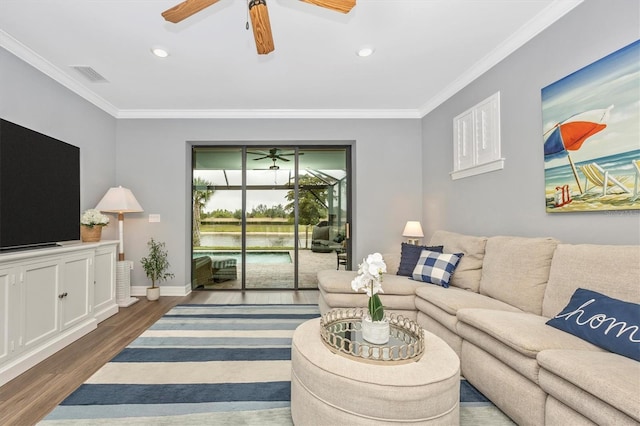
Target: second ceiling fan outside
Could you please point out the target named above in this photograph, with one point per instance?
(259, 16)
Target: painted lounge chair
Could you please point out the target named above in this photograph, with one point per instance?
(598, 177)
(636, 184)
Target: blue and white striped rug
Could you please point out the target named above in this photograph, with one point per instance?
(210, 364)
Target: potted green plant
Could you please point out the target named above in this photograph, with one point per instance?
(156, 266)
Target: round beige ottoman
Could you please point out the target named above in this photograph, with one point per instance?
(331, 389)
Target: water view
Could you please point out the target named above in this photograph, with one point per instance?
(227, 239)
(261, 257)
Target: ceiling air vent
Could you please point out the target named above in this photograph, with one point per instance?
(89, 73)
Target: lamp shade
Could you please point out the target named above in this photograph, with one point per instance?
(413, 229)
(119, 200)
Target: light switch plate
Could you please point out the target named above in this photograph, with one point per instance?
(154, 218)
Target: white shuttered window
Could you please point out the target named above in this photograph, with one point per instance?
(476, 139)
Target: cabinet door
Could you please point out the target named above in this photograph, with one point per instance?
(77, 289)
(40, 309)
(104, 289)
(6, 278)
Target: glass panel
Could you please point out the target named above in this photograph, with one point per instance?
(270, 219)
(217, 218)
(323, 212)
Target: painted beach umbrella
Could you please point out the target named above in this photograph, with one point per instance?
(570, 134)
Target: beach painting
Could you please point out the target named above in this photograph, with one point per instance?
(591, 135)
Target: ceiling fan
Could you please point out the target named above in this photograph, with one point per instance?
(259, 16)
(274, 154)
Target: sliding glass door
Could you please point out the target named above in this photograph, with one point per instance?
(268, 217)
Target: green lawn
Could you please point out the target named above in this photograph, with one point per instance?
(252, 228)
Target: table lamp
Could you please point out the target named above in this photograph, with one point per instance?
(413, 232)
(121, 200)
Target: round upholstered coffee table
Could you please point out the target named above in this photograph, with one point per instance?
(330, 389)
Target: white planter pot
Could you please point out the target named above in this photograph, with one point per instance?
(153, 293)
(376, 332)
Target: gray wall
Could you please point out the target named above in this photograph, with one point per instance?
(33, 100)
(153, 160)
(401, 167)
(511, 201)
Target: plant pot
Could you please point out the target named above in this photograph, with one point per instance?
(376, 332)
(90, 234)
(153, 293)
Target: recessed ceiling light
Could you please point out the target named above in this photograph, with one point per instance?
(159, 52)
(365, 51)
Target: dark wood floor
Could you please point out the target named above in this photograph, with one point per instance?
(32, 395)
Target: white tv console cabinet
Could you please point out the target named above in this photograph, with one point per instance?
(51, 297)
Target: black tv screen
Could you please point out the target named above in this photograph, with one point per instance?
(39, 189)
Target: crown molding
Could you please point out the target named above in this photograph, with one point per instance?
(21, 51)
(535, 26)
(272, 113)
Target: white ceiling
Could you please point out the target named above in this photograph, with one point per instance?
(425, 50)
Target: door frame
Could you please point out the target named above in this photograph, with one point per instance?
(298, 146)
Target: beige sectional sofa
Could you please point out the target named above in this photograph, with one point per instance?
(494, 316)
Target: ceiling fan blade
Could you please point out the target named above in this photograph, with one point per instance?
(281, 158)
(261, 26)
(343, 6)
(185, 9)
(262, 158)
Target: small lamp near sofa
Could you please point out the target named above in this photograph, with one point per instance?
(413, 232)
(121, 200)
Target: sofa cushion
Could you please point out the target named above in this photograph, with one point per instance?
(436, 268)
(522, 331)
(515, 338)
(451, 300)
(516, 270)
(607, 269)
(409, 255)
(391, 302)
(442, 304)
(392, 260)
(593, 382)
(469, 269)
(334, 281)
(604, 321)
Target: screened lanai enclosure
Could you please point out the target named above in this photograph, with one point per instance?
(269, 217)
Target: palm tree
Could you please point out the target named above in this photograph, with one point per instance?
(201, 194)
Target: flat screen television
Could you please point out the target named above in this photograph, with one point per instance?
(39, 189)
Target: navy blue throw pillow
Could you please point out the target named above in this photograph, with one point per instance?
(409, 255)
(609, 323)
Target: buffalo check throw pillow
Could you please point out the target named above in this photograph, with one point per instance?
(436, 268)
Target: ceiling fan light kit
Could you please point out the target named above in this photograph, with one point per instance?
(259, 16)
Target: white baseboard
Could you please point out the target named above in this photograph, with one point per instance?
(106, 313)
(164, 290)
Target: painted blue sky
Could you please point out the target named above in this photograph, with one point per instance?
(612, 80)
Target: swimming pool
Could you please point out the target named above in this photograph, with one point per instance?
(263, 257)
